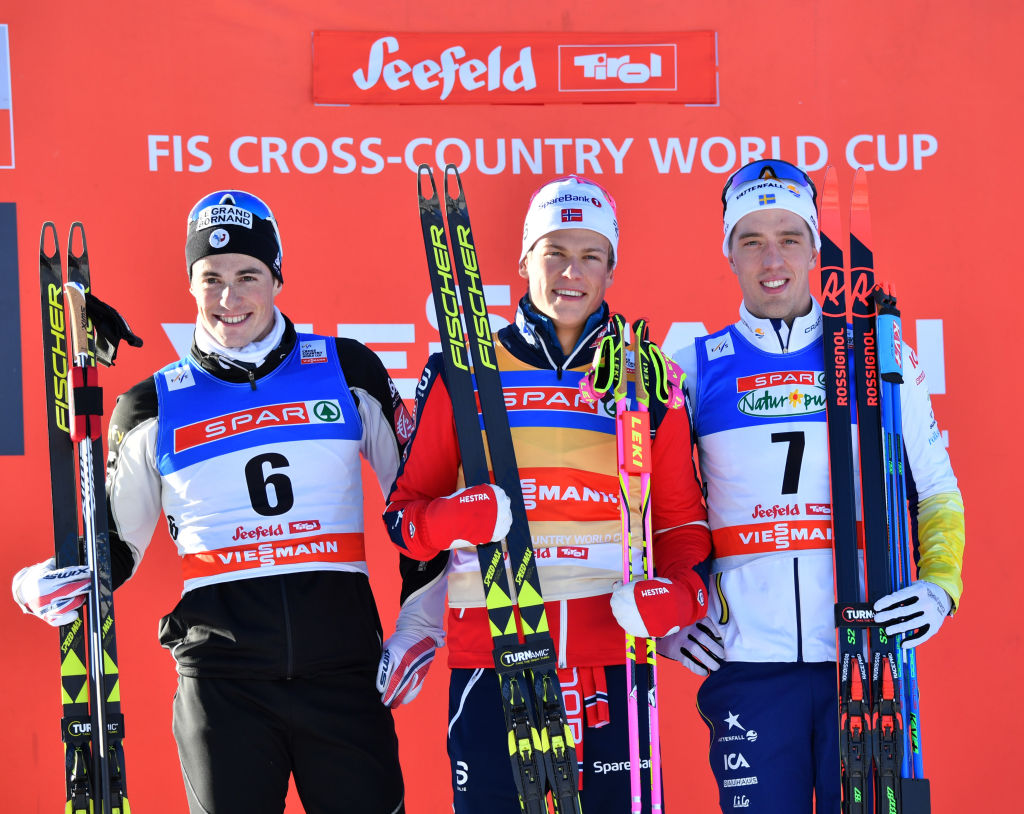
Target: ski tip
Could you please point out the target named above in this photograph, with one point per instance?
(49, 229)
(77, 228)
(459, 200)
(828, 216)
(860, 217)
(426, 171)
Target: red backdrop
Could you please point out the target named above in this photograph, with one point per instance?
(124, 116)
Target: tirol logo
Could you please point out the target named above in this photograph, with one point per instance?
(303, 526)
(781, 393)
(617, 67)
(565, 552)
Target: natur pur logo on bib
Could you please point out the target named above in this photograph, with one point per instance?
(781, 393)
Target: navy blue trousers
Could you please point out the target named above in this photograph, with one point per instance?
(774, 737)
(478, 747)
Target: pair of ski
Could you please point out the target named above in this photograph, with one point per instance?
(541, 747)
(92, 726)
(626, 356)
(873, 739)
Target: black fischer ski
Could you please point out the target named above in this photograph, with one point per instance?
(75, 726)
(851, 614)
(540, 741)
(92, 726)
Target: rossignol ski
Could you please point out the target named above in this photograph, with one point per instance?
(644, 367)
(883, 505)
(851, 612)
(540, 741)
(92, 726)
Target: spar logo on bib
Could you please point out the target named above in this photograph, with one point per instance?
(268, 416)
(781, 393)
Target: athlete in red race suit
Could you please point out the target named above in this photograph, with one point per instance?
(565, 450)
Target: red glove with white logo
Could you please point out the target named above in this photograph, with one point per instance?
(53, 594)
(471, 516)
(652, 607)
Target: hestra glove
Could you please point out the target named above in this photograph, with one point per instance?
(652, 607)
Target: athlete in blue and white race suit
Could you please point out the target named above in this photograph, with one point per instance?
(768, 643)
(249, 449)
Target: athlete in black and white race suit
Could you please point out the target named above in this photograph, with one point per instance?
(249, 448)
(768, 643)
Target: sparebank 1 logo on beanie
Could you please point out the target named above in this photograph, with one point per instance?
(232, 221)
(570, 202)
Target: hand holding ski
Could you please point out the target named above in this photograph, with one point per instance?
(650, 608)
(698, 647)
(914, 613)
(53, 594)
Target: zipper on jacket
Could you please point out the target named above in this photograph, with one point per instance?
(796, 598)
(227, 361)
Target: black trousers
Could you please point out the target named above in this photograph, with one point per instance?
(240, 739)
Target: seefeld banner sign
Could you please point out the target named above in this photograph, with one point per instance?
(374, 67)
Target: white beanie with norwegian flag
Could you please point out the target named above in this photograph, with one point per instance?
(570, 202)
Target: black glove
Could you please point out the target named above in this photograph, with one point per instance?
(111, 328)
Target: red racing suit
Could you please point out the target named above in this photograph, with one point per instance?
(567, 463)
